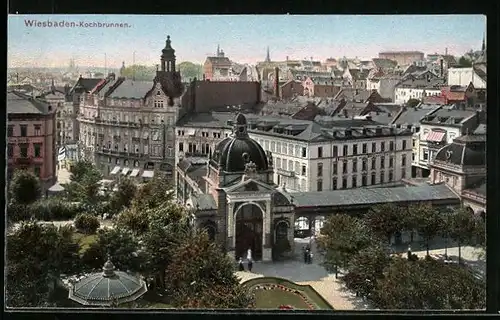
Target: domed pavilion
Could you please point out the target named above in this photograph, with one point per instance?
(108, 288)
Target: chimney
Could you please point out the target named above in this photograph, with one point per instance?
(277, 82)
(441, 66)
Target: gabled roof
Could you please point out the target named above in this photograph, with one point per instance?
(87, 84)
(220, 61)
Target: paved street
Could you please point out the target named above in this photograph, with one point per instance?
(63, 175)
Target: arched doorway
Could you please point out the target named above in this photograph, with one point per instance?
(281, 231)
(248, 233)
(211, 229)
(482, 215)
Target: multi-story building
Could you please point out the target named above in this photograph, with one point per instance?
(462, 166)
(439, 128)
(416, 88)
(218, 68)
(31, 137)
(129, 125)
(403, 58)
(321, 87)
(64, 121)
(326, 154)
(465, 76)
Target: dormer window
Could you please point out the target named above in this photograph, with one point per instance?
(158, 93)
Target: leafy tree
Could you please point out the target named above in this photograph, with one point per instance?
(200, 275)
(36, 257)
(190, 70)
(87, 223)
(427, 220)
(342, 236)
(167, 228)
(464, 62)
(119, 244)
(139, 73)
(365, 269)
(412, 103)
(133, 219)
(24, 188)
(462, 229)
(385, 220)
(428, 284)
(80, 169)
(123, 197)
(154, 193)
(84, 186)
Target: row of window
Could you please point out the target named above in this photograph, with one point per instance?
(23, 130)
(364, 164)
(192, 148)
(155, 150)
(37, 170)
(129, 118)
(205, 134)
(364, 180)
(24, 149)
(117, 134)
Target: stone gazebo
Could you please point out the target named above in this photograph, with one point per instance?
(107, 289)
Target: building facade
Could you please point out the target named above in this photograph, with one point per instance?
(128, 125)
(31, 138)
(233, 196)
(218, 68)
(439, 128)
(462, 166)
(307, 156)
(465, 76)
(418, 88)
(403, 58)
(321, 87)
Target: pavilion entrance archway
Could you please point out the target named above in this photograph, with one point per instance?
(248, 231)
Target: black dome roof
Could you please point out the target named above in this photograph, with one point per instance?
(464, 152)
(233, 153)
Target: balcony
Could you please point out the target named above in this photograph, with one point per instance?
(285, 173)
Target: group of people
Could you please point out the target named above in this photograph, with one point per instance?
(307, 254)
(241, 266)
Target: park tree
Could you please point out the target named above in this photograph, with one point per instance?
(342, 236)
(462, 228)
(427, 220)
(200, 275)
(139, 72)
(123, 196)
(190, 70)
(85, 183)
(36, 257)
(464, 62)
(365, 268)
(385, 220)
(412, 103)
(117, 243)
(167, 228)
(133, 219)
(428, 284)
(24, 188)
(154, 193)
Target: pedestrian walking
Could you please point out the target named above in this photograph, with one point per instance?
(241, 267)
(310, 257)
(250, 265)
(305, 255)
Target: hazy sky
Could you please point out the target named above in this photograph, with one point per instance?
(244, 38)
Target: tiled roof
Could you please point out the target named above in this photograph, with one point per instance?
(480, 73)
(481, 129)
(220, 61)
(414, 115)
(130, 89)
(384, 63)
(86, 83)
(363, 196)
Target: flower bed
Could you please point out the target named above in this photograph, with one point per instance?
(271, 286)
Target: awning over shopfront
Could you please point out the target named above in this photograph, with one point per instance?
(115, 170)
(125, 171)
(148, 174)
(134, 172)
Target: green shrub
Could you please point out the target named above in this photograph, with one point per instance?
(18, 212)
(87, 223)
(55, 210)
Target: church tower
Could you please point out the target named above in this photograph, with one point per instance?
(168, 76)
(268, 56)
(168, 57)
